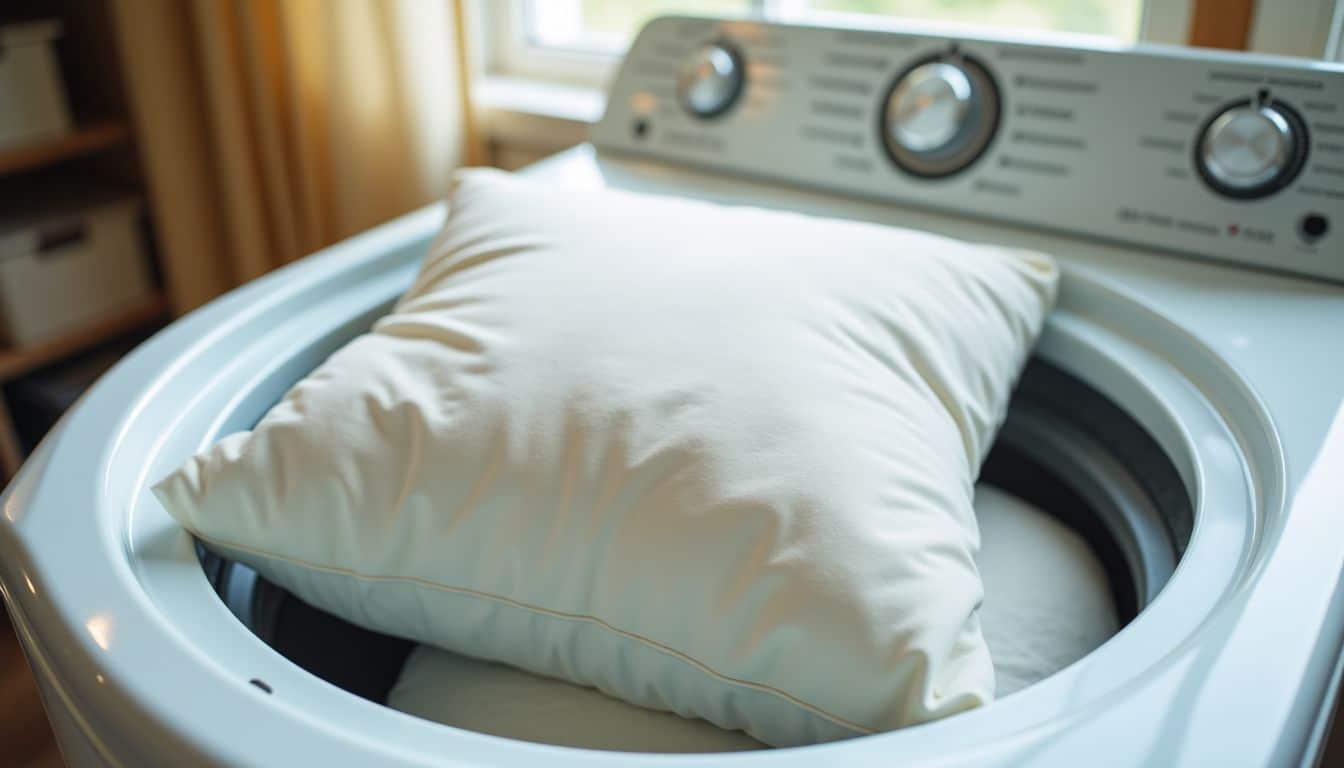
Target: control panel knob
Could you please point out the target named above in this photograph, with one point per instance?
(711, 80)
(1251, 149)
(940, 116)
(929, 107)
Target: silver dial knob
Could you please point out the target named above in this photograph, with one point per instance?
(1251, 149)
(929, 107)
(940, 116)
(711, 79)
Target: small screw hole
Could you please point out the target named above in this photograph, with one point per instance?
(1262, 95)
(260, 684)
(641, 128)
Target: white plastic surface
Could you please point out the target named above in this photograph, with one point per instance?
(1224, 367)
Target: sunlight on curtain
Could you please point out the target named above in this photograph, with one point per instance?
(271, 129)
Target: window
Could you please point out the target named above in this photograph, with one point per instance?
(1117, 19)
(609, 25)
(578, 41)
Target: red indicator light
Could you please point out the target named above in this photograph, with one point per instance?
(1233, 229)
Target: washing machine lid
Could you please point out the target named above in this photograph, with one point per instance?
(107, 593)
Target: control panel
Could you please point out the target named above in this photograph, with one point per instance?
(1226, 156)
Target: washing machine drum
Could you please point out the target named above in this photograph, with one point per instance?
(1083, 518)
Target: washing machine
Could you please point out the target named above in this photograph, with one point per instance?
(1181, 414)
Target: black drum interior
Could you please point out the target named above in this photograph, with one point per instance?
(1064, 448)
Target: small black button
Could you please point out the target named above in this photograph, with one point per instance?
(1314, 226)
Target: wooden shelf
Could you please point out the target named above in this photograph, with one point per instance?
(16, 362)
(85, 140)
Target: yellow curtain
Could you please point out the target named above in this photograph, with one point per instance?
(270, 128)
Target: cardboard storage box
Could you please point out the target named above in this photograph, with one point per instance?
(68, 266)
(32, 96)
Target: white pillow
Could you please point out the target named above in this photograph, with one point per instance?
(711, 460)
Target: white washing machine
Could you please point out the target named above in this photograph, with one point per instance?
(1182, 413)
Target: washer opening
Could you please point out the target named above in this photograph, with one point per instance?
(1065, 450)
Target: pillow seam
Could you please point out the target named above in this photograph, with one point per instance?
(508, 601)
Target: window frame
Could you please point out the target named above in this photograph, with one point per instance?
(1310, 28)
(510, 53)
(1334, 45)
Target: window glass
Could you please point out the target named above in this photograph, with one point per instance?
(1111, 18)
(608, 26)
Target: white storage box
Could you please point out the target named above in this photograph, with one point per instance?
(66, 268)
(32, 97)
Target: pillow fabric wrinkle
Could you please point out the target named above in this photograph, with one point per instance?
(722, 468)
